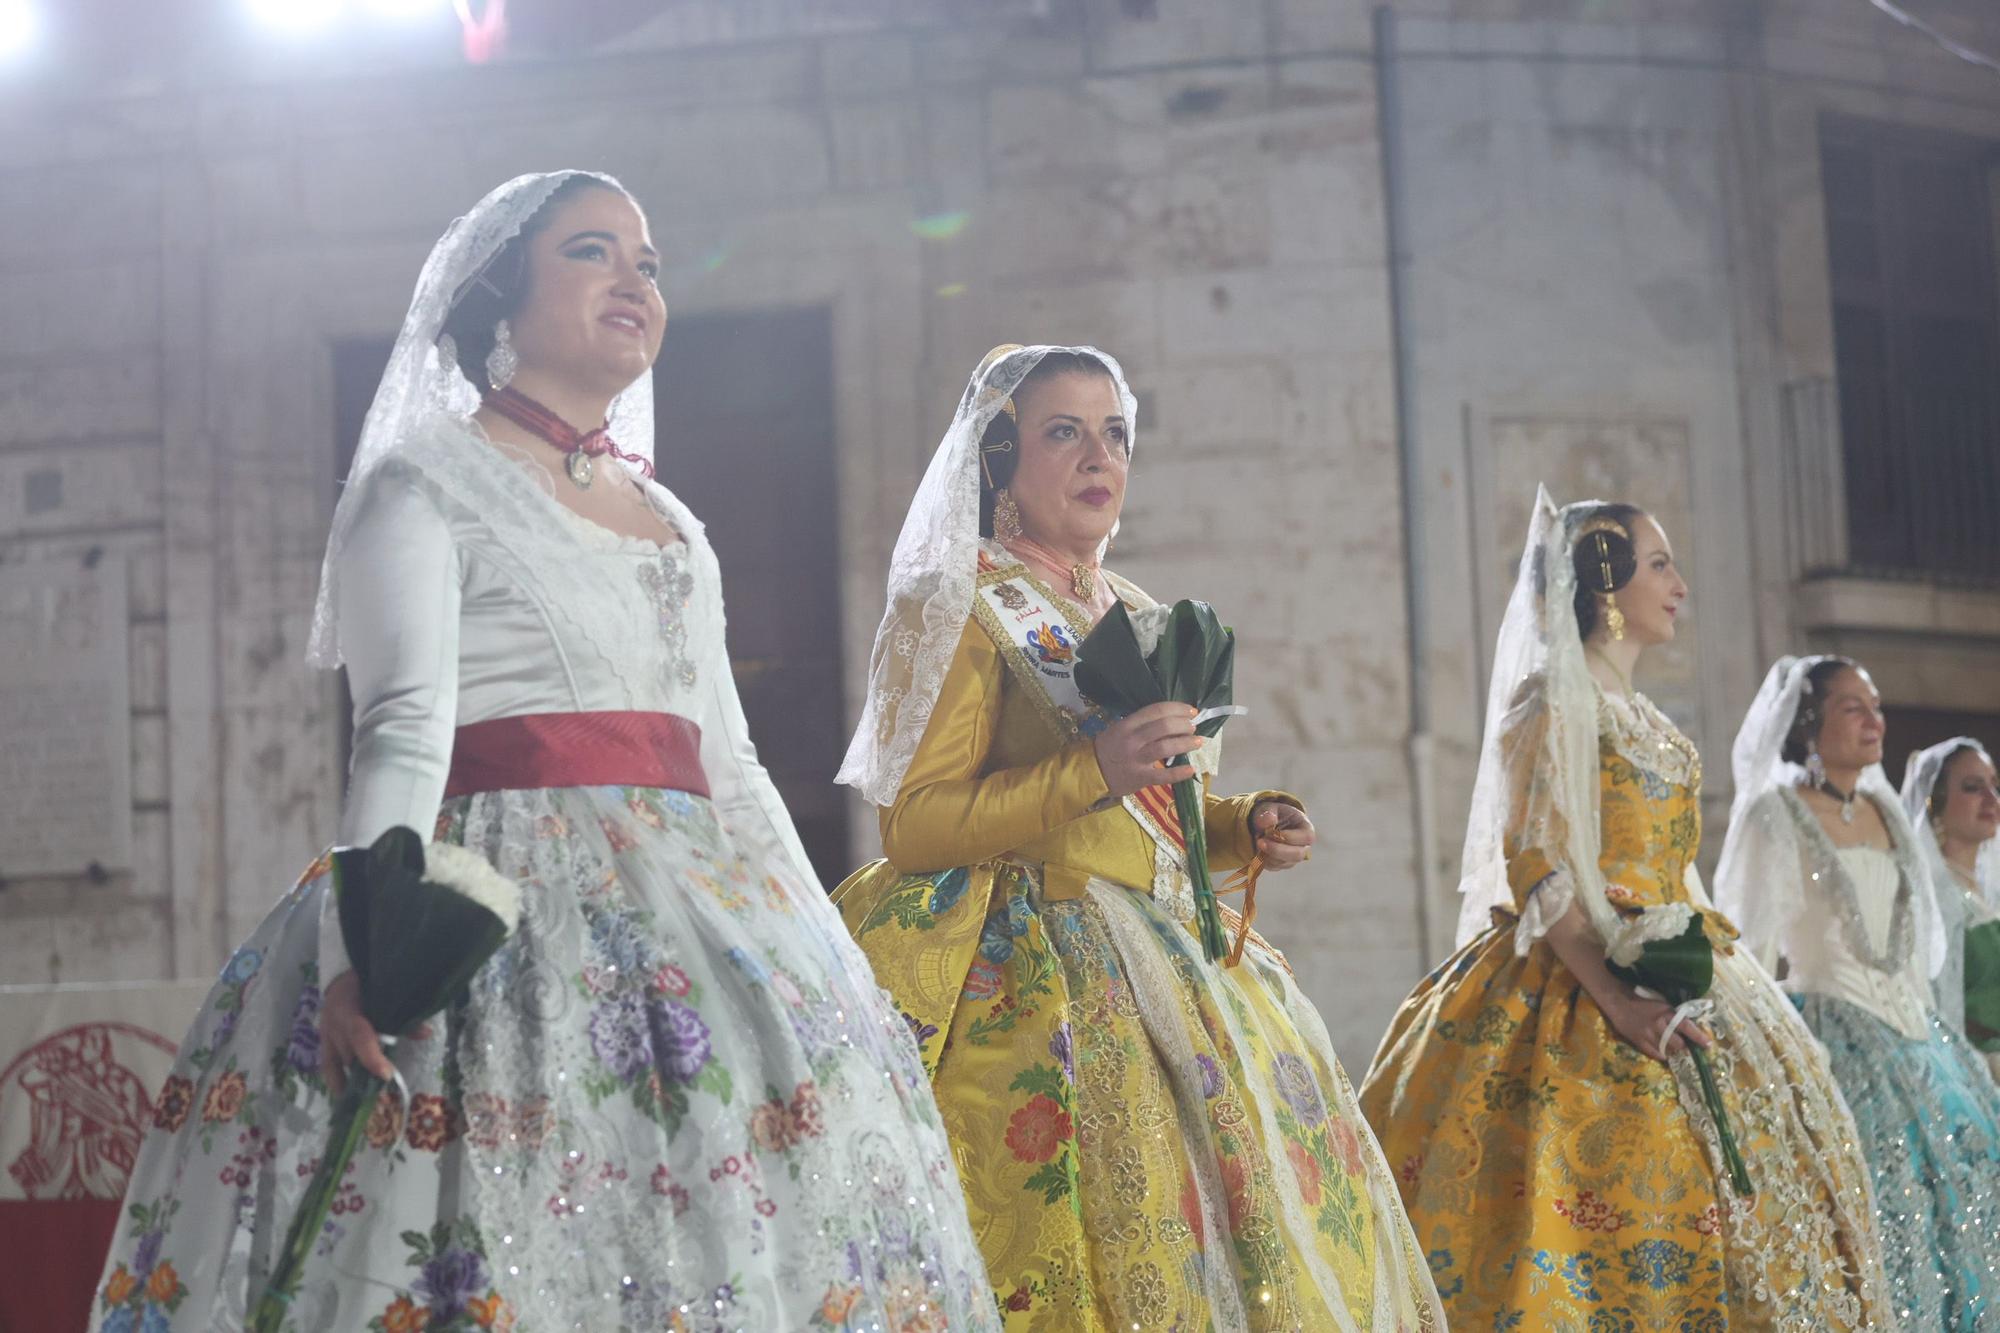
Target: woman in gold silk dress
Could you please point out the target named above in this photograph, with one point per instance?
(1147, 1139)
(1560, 1173)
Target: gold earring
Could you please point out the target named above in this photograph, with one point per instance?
(1006, 516)
(1614, 619)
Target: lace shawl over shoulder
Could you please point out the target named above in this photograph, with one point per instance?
(1648, 738)
(1777, 850)
(648, 635)
(1538, 822)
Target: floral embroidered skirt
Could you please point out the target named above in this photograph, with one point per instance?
(1559, 1180)
(674, 1100)
(1147, 1140)
(1929, 1117)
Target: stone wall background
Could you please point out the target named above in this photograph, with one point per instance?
(1615, 273)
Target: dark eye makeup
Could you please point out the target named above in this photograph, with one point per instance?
(595, 250)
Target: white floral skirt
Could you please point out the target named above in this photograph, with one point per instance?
(676, 1099)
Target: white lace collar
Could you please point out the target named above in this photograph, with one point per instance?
(1644, 735)
(586, 530)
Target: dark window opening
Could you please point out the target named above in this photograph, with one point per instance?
(1916, 313)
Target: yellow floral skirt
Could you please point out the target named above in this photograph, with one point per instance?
(1559, 1180)
(1146, 1140)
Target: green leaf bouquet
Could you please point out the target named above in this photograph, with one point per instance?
(1190, 658)
(418, 923)
(1982, 985)
(1673, 959)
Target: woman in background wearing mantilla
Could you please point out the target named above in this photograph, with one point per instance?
(1544, 1114)
(1825, 874)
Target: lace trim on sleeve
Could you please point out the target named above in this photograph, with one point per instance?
(1547, 903)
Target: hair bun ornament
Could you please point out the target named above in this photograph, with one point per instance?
(1603, 547)
(1003, 350)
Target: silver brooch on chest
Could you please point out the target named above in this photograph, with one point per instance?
(670, 584)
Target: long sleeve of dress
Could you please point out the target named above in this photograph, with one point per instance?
(950, 812)
(745, 798)
(399, 616)
(1230, 841)
(953, 812)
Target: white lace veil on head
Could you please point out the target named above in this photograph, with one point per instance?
(1920, 778)
(932, 574)
(1759, 882)
(423, 381)
(1538, 766)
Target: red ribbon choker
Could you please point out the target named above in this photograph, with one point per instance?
(544, 424)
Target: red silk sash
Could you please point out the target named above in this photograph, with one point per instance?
(577, 750)
(1159, 803)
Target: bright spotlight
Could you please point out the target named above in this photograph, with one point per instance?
(406, 9)
(293, 15)
(17, 26)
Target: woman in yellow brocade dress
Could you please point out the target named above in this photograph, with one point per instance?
(1561, 1175)
(1148, 1140)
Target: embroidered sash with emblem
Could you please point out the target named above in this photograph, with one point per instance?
(1038, 635)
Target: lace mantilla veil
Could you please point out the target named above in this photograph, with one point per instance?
(1759, 883)
(1920, 779)
(423, 382)
(932, 575)
(1538, 765)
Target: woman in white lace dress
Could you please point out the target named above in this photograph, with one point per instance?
(1822, 869)
(676, 1098)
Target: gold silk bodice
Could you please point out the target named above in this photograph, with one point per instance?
(995, 777)
(1649, 815)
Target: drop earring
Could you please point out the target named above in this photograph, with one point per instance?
(1614, 619)
(502, 361)
(1815, 766)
